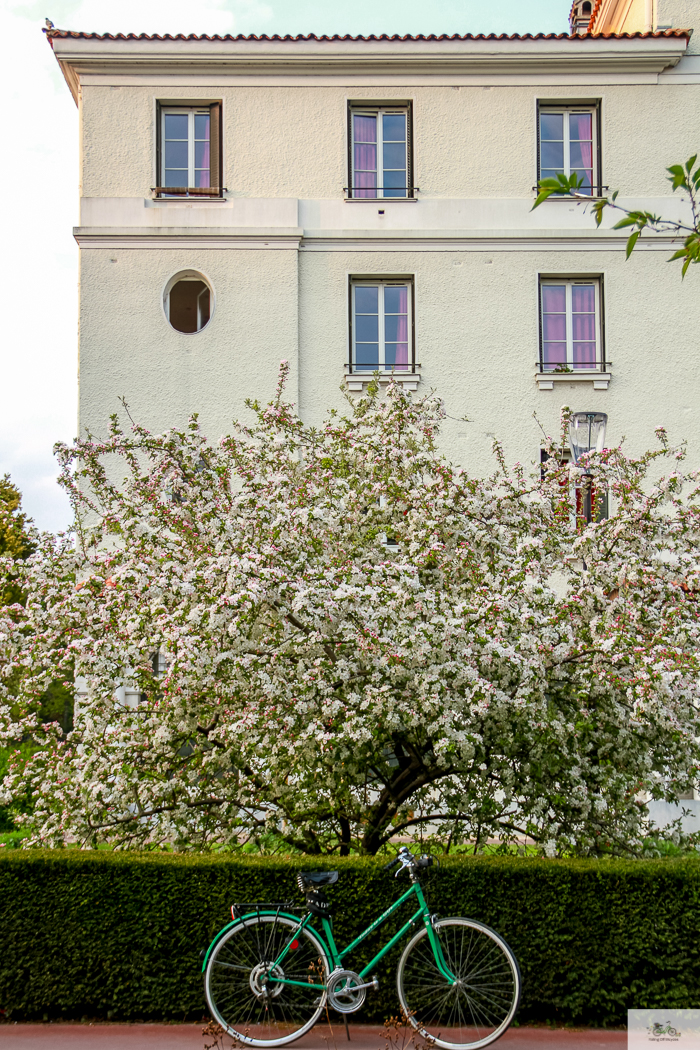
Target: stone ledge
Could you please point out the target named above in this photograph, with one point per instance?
(600, 380)
(357, 381)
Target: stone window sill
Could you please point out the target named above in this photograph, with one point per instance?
(380, 200)
(199, 199)
(359, 380)
(546, 380)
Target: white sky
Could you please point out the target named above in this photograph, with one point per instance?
(39, 265)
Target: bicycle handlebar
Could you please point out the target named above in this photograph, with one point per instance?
(408, 860)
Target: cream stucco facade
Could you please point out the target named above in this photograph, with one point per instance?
(279, 246)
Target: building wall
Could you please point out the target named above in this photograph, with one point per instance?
(471, 142)
(476, 340)
(636, 16)
(682, 13)
(129, 349)
(278, 252)
(477, 333)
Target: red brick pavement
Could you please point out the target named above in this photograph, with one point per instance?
(62, 1036)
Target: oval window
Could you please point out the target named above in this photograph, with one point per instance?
(188, 302)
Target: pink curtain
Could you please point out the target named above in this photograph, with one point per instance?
(402, 348)
(364, 156)
(581, 135)
(583, 325)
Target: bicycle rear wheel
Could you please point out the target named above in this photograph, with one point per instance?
(479, 1006)
(253, 1003)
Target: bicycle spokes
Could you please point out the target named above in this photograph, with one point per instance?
(257, 999)
(479, 1004)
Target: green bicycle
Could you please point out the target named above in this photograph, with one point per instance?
(269, 974)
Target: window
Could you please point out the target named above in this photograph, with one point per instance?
(382, 326)
(189, 151)
(188, 302)
(571, 336)
(580, 16)
(568, 144)
(380, 152)
(159, 663)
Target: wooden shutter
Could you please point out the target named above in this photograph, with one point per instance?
(159, 146)
(215, 155)
(409, 149)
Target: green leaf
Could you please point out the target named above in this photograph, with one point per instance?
(629, 220)
(547, 187)
(677, 176)
(631, 243)
(690, 164)
(542, 196)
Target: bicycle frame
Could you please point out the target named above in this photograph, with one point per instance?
(336, 957)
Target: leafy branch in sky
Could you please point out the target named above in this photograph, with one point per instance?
(684, 177)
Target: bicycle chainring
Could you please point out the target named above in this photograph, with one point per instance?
(343, 993)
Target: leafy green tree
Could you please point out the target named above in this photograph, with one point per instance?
(684, 177)
(16, 540)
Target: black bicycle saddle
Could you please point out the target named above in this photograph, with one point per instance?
(318, 878)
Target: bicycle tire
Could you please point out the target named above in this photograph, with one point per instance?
(255, 1011)
(478, 1008)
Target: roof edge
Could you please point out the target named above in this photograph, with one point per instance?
(63, 34)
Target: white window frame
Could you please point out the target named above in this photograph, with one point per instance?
(191, 111)
(568, 111)
(382, 284)
(569, 283)
(380, 112)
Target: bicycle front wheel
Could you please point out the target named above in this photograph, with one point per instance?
(475, 1009)
(249, 996)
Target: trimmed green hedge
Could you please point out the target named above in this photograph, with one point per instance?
(118, 935)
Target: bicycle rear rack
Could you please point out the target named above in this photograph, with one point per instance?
(241, 908)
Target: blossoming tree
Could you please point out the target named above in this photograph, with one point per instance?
(334, 634)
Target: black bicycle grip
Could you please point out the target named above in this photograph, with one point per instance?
(391, 864)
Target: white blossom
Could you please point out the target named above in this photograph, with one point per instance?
(500, 670)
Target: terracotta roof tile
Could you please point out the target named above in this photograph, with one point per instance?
(594, 16)
(72, 34)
